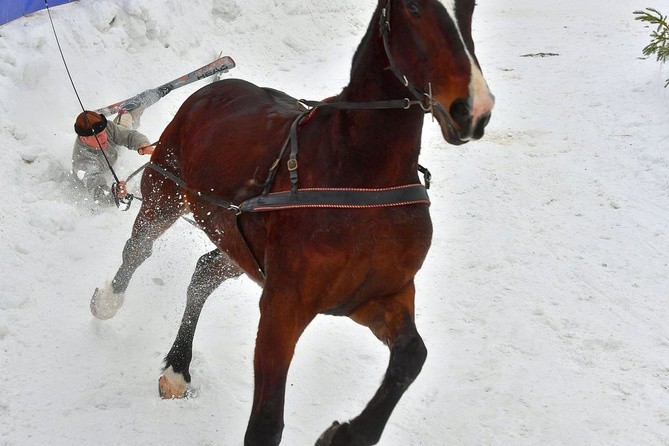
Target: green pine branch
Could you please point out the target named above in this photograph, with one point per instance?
(659, 43)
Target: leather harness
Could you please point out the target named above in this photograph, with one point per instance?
(335, 198)
(347, 198)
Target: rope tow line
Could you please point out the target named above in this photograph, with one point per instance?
(119, 201)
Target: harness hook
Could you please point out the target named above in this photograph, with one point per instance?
(121, 203)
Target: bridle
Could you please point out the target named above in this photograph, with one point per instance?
(423, 99)
(420, 95)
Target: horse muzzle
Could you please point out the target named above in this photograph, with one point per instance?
(463, 122)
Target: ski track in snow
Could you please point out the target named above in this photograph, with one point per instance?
(542, 301)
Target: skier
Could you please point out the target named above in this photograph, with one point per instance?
(88, 164)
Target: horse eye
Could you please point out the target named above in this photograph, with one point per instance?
(413, 8)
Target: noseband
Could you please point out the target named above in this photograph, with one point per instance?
(420, 95)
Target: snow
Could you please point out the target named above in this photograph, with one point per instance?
(543, 301)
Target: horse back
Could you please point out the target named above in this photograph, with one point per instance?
(227, 134)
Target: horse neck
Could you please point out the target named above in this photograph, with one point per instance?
(387, 138)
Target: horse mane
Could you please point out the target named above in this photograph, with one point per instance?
(369, 35)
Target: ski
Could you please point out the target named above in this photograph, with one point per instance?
(217, 77)
(153, 95)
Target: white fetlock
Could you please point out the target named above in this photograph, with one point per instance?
(105, 303)
(172, 384)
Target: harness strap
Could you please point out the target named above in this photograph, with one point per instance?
(316, 197)
(256, 262)
(384, 25)
(374, 105)
(292, 160)
(336, 198)
(182, 184)
(272, 170)
(426, 175)
(340, 198)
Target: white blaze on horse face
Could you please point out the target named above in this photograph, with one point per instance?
(480, 97)
(482, 100)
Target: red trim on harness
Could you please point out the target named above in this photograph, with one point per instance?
(313, 111)
(338, 206)
(339, 198)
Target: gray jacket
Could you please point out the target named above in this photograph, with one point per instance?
(89, 167)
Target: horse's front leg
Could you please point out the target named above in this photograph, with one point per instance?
(391, 319)
(212, 269)
(281, 324)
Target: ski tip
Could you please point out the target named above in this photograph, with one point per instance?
(229, 61)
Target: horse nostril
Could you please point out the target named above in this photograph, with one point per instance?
(461, 113)
(480, 126)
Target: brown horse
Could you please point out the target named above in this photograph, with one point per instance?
(350, 232)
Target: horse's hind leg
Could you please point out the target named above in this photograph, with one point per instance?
(161, 207)
(391, 320)
(212, 269)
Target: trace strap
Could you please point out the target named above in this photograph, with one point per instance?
(182, 184)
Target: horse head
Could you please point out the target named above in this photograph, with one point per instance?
(430, 49)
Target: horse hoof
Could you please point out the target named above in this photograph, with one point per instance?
(105, 303)
(172, 385)
(328, 435)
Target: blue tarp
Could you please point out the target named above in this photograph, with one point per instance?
(13, 9)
